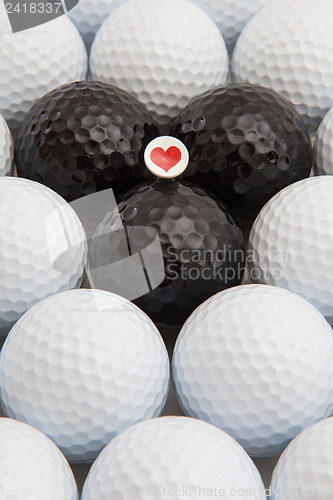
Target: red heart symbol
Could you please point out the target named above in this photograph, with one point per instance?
(166, 159)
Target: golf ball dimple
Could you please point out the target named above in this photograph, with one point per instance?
(81, 367)
(88, 15)
(35, 61)
(231, 17)
(202, 247)
(323, 147)
(246, 143)
(256, 361)
(291, 242)
(288, 46)
(165, 54)
(32, 467)
(176, 455)
(85, 137)
(305, 468)
(6, 148)
(43, 247)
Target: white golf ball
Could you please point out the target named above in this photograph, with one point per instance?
(82, 366)
(256, 361)
(323, 147)
(288, 46)
(6, 148)
(305, 469)
(32, 467)
(88, 15)
(291, 242)
(173, 457)
(34, 62)
(163, 52)
(231, 17)
(43, 247)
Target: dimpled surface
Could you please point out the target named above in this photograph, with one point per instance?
(32, 467)
(291, 242)
(36, 61)
(196, 234)
(82, 366)
(305, 469)
(85, 137)
(323, 147)
(165, 53)
(172, 456)
(256, 361)
(245, 143)
(43, 247)
(88, 15)
(6, 148)
(231, 17)
(288, 46)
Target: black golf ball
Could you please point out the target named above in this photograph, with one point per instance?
(85, 137)
(246, 143)
(201, 247)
